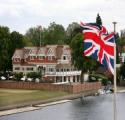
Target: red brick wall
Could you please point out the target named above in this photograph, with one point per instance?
(75, 88)
(86, 87)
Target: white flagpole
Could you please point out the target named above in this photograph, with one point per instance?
(115, 84)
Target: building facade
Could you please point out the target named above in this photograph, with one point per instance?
(121, 50)
(52, 61)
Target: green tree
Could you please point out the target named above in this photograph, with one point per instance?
(122, 70)
(121, 41)
(4, 48)
(81, 62)
(18, 76)
(34, 36)
(16, 41)
(71, 31)
(98, 19)
(55, 34)
(117, 39)
(27, 41)
(8, 43)
(34, 75)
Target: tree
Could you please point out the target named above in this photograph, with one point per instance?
(34, 35)
(117, 39)
(55, 34)
(98, 19)
(121, 41)
(81, 62)
(33, 75)
(4, 48)
(122, 70)
(18, 76)
(71, 31)
(16, 41)
(8, 43)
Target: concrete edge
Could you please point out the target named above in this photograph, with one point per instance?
(35, 105)
(30, 108)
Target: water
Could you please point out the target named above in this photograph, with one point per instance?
(92, 108)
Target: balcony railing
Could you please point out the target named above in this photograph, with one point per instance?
(65, 73)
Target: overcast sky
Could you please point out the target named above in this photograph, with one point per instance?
(20, 15)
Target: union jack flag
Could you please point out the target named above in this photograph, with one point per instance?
(99, 44)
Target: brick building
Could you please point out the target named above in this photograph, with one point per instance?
(53, 61)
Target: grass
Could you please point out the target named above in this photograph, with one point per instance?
(13, 96)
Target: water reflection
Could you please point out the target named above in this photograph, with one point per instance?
(92, 108)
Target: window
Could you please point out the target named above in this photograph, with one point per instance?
(31, 57)
(68, 70)
(64, 57)
(17, 68)
(51, 69)
(30, 69)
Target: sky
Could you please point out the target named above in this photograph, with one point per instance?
(20, 15)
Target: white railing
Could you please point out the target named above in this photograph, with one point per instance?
(67, 73)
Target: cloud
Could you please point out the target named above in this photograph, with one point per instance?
(21, 14)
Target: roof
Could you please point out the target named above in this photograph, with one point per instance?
(56, 50)
(18, 53)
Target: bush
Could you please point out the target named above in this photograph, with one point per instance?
(98, 77)
(104, 82)
(33, 75)
(18, 76)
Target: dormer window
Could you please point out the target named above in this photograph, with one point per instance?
(16, 59)
(50, 54)
(50, 57)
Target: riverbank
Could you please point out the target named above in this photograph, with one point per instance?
(35, 104)
(39, 104)
(14, 98)
(30, 108)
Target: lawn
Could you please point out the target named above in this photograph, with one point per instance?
(13, 96)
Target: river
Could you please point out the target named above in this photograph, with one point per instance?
(92, 108)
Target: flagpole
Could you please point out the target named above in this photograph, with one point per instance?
(115, 84)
